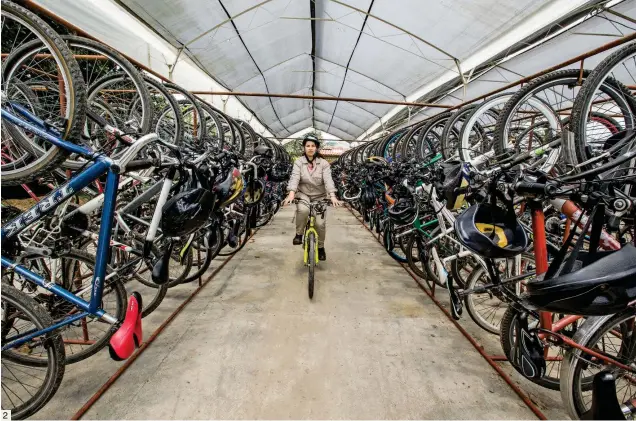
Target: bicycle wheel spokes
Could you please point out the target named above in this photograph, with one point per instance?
(74, 272)
(485, 309)
(27, 386)
(605, 107)
(614, 338)
(478, 131)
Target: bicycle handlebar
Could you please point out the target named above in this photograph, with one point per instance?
(322, 201)
(141, 164)
(524, 187)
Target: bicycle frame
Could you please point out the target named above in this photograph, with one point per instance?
(101, 165)
(572, 212)
(446, 221)
(596, 354)
(310, 228)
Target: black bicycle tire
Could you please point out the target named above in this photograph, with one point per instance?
(424, 132)
(504, 338)
(312, 265)
(404, 140)
(270, 215)
(584, 338)
(463, 112)
(54, 347)
(212, 112)
(246, 232)
(11, 131)
(239, 140)
(250, 144)
(76, 100)
(123, 63)
(192, 100)
(77, 165)
(173, 104)
(385, 242)
(413, 265)
(210, 255)
(231, 128)
(586, 94)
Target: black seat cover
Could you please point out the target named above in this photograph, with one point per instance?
(603, 287)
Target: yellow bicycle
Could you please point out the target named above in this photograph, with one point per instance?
(310, 238)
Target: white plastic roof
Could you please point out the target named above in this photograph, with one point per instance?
(268, 46)
(583, 36)
(112, 25)
(375, 49)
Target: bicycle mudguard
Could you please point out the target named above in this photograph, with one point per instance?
(129, 336)
(529, 356)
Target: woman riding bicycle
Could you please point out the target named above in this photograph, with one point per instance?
(311, 181)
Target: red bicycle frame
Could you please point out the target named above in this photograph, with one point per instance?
(573, 213)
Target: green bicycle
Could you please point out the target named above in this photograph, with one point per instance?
(310, 239)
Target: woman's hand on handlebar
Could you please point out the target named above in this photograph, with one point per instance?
(289, 199)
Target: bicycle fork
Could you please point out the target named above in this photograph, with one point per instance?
(309, 230)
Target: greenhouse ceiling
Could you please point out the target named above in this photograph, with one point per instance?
(398, 50)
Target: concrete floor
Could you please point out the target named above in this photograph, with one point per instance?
(371, 345)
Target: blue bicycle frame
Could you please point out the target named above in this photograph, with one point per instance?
(101, 165)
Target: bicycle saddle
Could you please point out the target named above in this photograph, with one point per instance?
(603, 287)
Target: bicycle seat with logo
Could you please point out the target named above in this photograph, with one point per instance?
(603, 287)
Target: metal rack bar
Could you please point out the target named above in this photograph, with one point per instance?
(323, 98)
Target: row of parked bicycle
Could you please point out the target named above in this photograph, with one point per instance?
(522, 206)
(147, 184)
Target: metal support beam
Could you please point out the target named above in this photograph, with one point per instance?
(34, 6)
(322, 98)
(573, 60)
(449, 55)
(312, 12)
